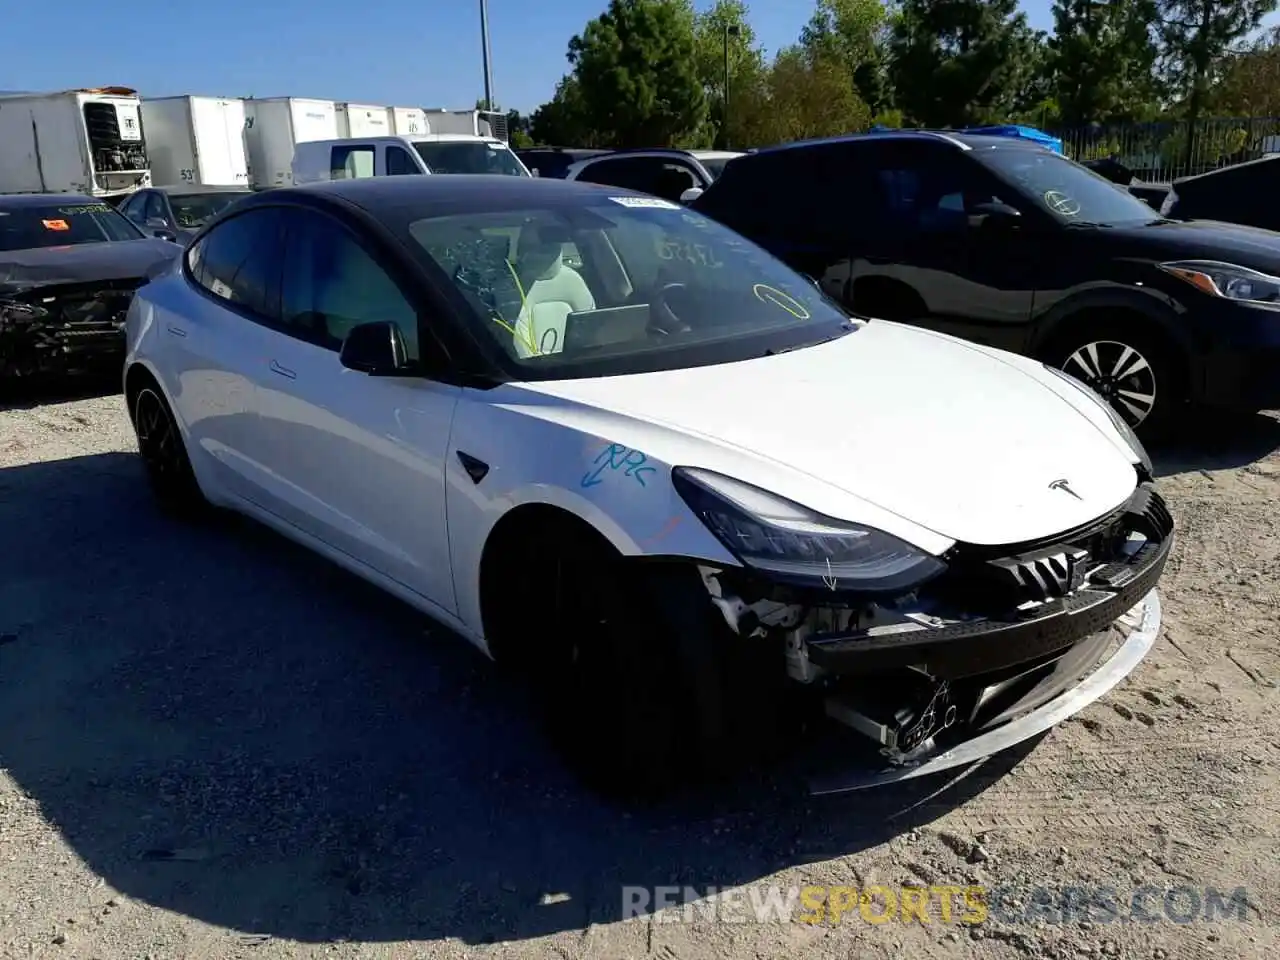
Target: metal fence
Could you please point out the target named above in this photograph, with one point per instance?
(1162, 151)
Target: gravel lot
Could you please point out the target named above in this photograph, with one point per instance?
(214, 745)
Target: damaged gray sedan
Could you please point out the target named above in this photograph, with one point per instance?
(69, 266)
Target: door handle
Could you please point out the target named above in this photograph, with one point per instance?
(176, 331)
(283, 371)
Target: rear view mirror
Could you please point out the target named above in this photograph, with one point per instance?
(993, 213)
(690, 195)
(376, 349)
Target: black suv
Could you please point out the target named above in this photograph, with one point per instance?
(1009, 244)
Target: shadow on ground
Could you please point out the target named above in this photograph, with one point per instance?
(225, 726)
(26, 394)
(1217, 440)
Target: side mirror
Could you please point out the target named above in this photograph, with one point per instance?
(376, 349)
(165, 235)
(993, 214)
(156, 223)
(690, 195)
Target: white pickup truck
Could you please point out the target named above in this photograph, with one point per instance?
(400, 155)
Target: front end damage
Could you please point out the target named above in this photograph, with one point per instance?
(63, 328)
(1002, 645)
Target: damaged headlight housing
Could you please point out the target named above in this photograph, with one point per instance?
(793, 544)
(1117, 421)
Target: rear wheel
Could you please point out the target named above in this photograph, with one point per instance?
(164, 455)
(1138, 372)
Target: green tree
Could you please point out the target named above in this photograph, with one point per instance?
(855, 34)
(1101, 59)
(961, 62)
(1198, 38)
(723, 29)
(1250, 84)
(636, 72)
(562, 121)
(807, 96)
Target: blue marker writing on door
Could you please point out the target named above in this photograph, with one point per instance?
(614, 458)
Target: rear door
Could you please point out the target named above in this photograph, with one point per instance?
(796, 203)
(215, 340)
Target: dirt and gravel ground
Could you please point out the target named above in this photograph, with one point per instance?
(215, 746)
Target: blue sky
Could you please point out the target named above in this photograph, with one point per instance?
(393, 52)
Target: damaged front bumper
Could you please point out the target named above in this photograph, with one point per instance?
(63, 328)
(1001, 647)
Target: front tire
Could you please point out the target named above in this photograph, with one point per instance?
(1138, 373)
(164, 455)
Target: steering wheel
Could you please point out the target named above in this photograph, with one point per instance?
(663, 321)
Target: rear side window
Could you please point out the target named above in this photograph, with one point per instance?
(351, 163)
(238, 261)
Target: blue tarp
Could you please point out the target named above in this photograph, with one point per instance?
(1024, 133)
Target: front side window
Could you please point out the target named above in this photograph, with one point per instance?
(238, 261)
(619, 277)
(62, 224)
(399, 163)
(469, 156)
(330, 285)
(932, 193)
(1066, 190)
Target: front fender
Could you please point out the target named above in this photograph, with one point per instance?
(596, 469)
(1155, 305)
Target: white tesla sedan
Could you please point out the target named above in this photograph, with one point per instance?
(657, 472)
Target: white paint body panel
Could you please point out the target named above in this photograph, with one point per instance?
(196, 140)
(44, 144)
(929, 438)
(274, 127)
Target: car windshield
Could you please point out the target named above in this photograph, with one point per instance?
(623, 278)
(62, 224)
(193, 210)
(1067, 190)
(469, 156)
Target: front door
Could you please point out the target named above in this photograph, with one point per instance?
(936, 261)
(357, 461)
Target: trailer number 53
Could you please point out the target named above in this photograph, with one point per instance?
(188, 176)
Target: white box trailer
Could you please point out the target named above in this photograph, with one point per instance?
(408, 121)
(74, 141)
(473, 122)
(197, 140)
(273, 126)
(362, 120)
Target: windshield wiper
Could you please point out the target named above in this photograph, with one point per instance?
(1087, 225)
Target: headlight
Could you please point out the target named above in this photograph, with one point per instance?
(1123, 428)
(1226, 280)
(792, 543)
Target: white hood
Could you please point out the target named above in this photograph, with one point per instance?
(956, 438)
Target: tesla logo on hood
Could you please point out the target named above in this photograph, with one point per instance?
(1065, 488)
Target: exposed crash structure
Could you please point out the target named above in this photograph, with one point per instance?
(69, 267)
(995, 645)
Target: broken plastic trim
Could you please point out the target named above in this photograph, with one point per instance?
(1146, 616)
